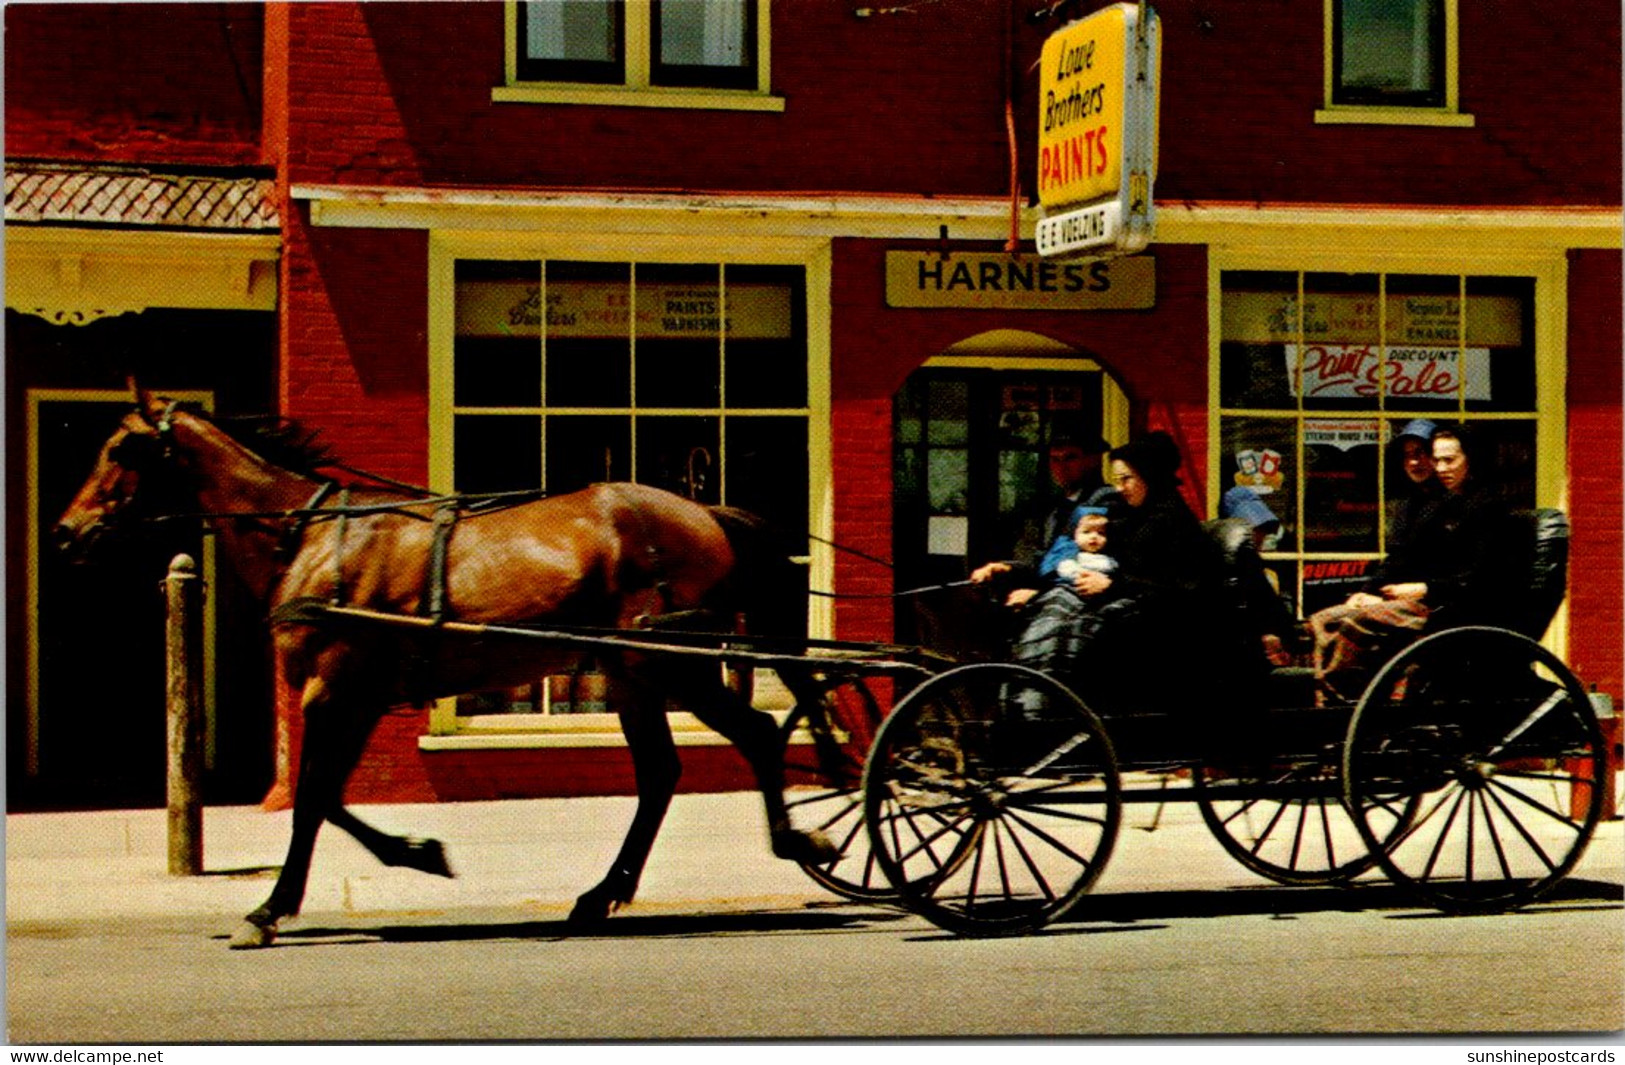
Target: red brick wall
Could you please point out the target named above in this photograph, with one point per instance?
(1596, 476)
(400, 94)
(1158, 356)
(151, 83)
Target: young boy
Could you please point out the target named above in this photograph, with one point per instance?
(1081, 551)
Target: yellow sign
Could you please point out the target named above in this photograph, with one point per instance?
(1080, 126)
(1346, 318)
(926, 279)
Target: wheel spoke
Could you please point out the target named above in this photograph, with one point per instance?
(1047, 838)
(1533, 844)
(1027, 859)
(1444, 835)
(1548, 811)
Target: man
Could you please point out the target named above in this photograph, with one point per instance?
(1074, 472)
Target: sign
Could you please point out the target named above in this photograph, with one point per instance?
(1004, 282)
(1097, 132)
(1346, 318)
(1360, 371)
(603, 309)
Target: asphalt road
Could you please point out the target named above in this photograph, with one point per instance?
(1249, 960)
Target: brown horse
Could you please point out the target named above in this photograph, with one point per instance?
(608, 556)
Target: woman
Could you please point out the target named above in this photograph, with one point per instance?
(1168, 576)
(1445, 571)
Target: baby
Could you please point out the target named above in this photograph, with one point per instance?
(1083, 550)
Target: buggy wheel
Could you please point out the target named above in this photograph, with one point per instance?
(1495, 746)
(824, 744)
(1287, 822)
(992, 799)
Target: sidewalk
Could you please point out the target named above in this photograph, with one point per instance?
(537, 854)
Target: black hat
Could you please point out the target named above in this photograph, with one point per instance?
(1154, 456)
(1064, 435)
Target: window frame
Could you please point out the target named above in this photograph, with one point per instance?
(447, 729)
(1338, 110)
(641, 83)
(1405, 255)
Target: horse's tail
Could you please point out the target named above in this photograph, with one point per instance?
(764, 584)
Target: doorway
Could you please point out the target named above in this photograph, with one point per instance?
(95, 733)
(969, 438)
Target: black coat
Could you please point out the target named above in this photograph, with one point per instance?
(1166, 561)
(1464, 547)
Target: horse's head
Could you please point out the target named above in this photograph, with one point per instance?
(138, 451)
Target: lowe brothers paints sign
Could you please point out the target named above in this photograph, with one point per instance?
(1097, 133)
(1361, 371)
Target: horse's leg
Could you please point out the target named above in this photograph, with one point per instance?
(756, 735)
(331, 747)
(411, 852)
(656, 768)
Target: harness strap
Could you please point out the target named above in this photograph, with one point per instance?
(288, 545)
(445, 520)
(338, 547)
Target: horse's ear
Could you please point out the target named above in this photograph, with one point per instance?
(149, 407)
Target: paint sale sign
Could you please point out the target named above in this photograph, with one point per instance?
(1361, 371)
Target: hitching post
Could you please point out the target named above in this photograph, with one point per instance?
(181, 592)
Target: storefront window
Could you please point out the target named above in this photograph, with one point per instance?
(1318, 372)
(689, 377)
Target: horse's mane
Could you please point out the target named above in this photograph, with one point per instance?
(278, 440)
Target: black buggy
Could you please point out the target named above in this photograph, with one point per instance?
(1471, 770)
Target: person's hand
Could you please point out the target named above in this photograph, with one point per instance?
(1020, 597)
(983, 574)
(1088, 582)
(1408, 590)
(1361, 600)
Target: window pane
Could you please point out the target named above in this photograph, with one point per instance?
(1503, 454)
(948, 480)
(570, 40)
(587, 449)
(1258, 319)
(1261, 454)
(766, 351)
(1425, 370)
(1390, 52)
(497, 360)
(1341, 365)
(767, 472)
(589, 334)
(497, 452)
(1340, 484)
(1500, 316)
(680, 455)
(704, 43)
(948, 408)
(679, 336)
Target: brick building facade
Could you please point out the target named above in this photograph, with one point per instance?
(420, 173)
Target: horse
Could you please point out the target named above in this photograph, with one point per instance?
(608, 556)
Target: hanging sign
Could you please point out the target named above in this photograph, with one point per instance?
(1097, 133)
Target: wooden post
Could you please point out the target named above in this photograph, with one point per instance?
(185, 722)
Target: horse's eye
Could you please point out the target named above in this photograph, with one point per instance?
(133, 451)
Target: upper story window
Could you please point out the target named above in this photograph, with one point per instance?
(650, 53)
(1391, 61)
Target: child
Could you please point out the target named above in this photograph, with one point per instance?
(1083, 550)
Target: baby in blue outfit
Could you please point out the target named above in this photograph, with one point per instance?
(1083, 550)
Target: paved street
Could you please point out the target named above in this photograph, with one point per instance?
(726, 942)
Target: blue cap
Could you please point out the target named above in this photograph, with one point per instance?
(1420, 428)
(1242, 502)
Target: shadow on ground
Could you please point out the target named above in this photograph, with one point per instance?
(1144, 911)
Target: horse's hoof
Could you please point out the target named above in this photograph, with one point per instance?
(251, 936)
(427, 856)
(590, 910)
(806, 848)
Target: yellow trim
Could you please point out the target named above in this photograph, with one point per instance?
(1345, 115)
(814, 256)
(73, 276)
(638, 90)
(1448, 115)
(35, 398)
(1488, 230)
